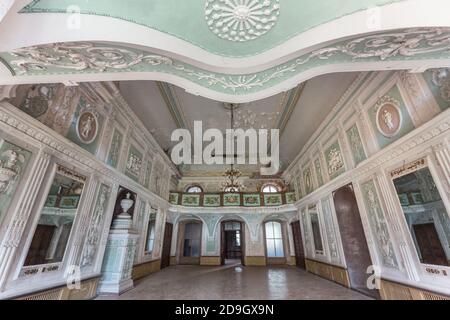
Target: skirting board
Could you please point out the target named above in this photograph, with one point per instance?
(327, 271)
(145, 269)
(255, 261)
(395, 291)
(210, 261)
(88, 290)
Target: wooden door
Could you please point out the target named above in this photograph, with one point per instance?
(430, 246)
(354, 241)
(298, 244)
(230, 247)
(167, 243)
(223, 244)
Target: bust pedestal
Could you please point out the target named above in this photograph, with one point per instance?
(119, 256)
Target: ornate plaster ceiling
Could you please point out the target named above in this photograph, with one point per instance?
(224, 50)
(249, 27)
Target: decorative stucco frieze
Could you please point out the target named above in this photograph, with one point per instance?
(356, 145)
(441, 79)
(115, 148)
(86, 57)
(330, 229)
(94, 232)
(335, 160)
(378, 225)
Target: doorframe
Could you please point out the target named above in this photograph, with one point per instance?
(222, 240)
(180, 243)
(301, 265)
(164, 243)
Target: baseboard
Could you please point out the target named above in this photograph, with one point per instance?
(145, 269)
(210, 261)
(255, 261)
(87, 291)
(396, 291)
(292, 261)
(329, 272)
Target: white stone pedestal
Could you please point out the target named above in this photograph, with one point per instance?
(119, 256)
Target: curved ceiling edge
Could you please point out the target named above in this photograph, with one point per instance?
(86, 61)
(152, 40)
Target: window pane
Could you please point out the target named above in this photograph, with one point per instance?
(150, 236)
(277, 230)
(279, 248)
(269, 189)
(269, 230)
(426, 216)
(187, 248)
(194, 189)
(195, 250)
(271, 248)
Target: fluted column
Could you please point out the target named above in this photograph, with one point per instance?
(84, 213)
(443, 156)
(366, 133)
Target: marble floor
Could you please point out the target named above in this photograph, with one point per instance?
(236, 283)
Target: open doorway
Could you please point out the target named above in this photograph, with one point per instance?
(232, 243)
(354, 241)
(298, 245)
(190, 238)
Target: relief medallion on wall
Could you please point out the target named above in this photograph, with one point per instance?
(389, 117)
(37, 100)
(87, 127)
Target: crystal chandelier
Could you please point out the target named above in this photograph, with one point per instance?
(232, 182)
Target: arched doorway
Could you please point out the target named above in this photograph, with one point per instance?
(190, 242)
(232, 242)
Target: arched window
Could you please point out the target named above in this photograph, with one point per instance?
(231, 190)
(270, 188)
(274, 240)
(194, 189)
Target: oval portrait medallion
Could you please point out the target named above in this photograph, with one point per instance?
(389, 119)
(87, 127)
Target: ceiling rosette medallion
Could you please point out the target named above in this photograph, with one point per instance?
(241, 20)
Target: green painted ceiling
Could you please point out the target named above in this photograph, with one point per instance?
(185, 19)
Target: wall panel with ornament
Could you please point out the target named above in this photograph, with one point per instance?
(382, 128)
(64, 153)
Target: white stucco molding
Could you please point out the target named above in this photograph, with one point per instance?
(400, 15)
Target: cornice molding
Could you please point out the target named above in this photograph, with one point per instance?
(93, 61)
(46, 138)
(422, 137)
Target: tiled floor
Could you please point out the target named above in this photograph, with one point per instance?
(245, 283)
